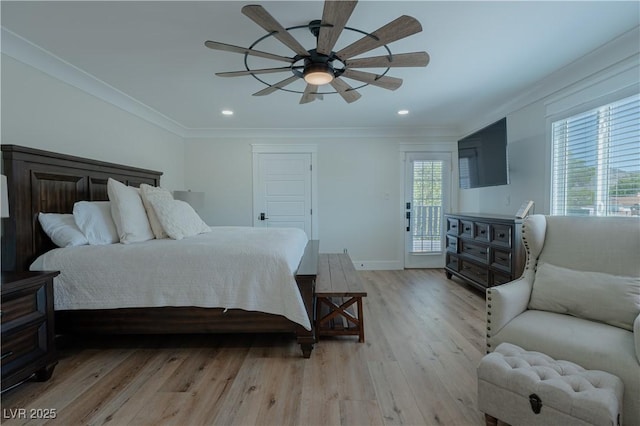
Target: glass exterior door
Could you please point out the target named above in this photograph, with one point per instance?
(426, 201)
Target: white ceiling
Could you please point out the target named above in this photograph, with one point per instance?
(482, 55)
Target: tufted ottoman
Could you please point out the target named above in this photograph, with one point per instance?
(530, 388)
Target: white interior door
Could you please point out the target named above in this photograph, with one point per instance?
(282, 191)
(427, 189)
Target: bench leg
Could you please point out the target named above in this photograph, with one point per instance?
(355, 324)
(361, 319)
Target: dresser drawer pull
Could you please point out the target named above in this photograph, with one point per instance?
(501, 235)
(454, 226)
(467, 229)
(8, 354)
(483, 231)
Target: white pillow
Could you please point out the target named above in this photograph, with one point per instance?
(62, 229)
(145, 192)
(95, 221)
(128, 213)
(178, 218)
(612, 299)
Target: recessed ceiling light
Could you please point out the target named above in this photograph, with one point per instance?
(403, 112)
(227, 112)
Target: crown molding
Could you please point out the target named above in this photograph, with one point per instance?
(30, 54)
(612, 58)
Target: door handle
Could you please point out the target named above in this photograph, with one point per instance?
(408, 215)
(262, 217)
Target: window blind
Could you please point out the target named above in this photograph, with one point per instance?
(596, 161)
(427, 206)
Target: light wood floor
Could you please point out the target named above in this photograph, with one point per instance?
(424, 339)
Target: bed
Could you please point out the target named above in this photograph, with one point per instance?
(42, 181)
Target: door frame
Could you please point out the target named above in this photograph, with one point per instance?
(257, 149)
(449, 148)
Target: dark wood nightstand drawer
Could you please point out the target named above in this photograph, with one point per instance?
(20, 348)
(27, 326)
(23, 306)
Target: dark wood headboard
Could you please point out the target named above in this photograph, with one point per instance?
(43, 181)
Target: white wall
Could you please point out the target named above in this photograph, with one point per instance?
(42, 112)
(223, 171)
(526, 153)
(359, 200)
(608, 73)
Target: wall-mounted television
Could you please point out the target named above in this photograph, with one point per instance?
(482, 157)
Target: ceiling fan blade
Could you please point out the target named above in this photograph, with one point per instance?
(249, 72)
(309, 94)
(346, 91)
(335, 13)
(260, 16)
(269, 90)
(386, 82)
(237, 49)
(402, 27)
(415, 59)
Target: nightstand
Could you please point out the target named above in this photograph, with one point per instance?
(27, 318)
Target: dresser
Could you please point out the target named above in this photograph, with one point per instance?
(27, 326)
(484, 250)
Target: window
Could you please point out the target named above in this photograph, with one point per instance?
(427, 203)
(596, 161)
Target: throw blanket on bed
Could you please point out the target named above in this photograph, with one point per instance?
(230, 267)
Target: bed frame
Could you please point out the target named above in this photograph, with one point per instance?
(42, 181)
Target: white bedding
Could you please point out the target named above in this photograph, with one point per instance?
(230, 267)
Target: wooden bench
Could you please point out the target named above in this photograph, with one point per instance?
(338, 288)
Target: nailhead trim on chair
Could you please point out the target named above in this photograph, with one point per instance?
(489, 294)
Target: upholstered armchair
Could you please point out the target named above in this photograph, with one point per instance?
(578, 298)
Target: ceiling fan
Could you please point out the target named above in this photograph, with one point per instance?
(321, 65)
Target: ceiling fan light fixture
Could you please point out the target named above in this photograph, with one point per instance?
(318, 74)
(316, 65)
